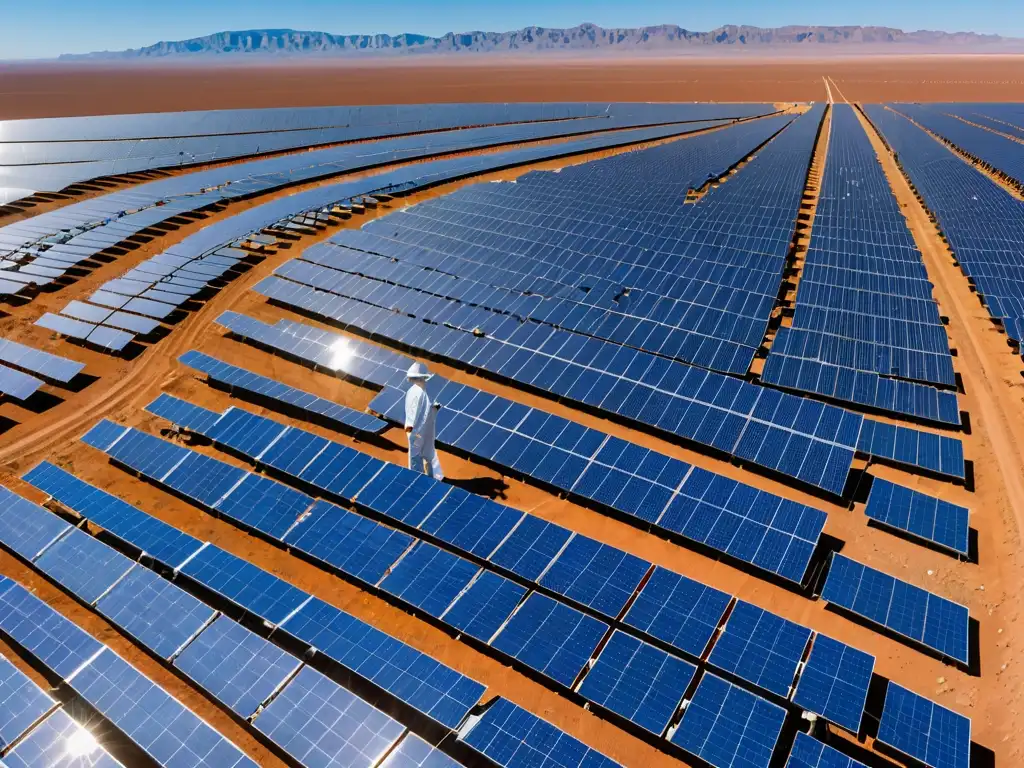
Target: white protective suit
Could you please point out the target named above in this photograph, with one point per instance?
(421, 416)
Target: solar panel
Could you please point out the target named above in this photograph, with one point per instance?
(924, 730)
(355, 545)
(555, 640)
(245, 432)
(469, 522)
(729, 727)
(239, 668)
(157, 722)
(59, 742)
(161, 541)
(156, 612)
(27, 528)
(203, 479)
(596, 575)
(910, 611)
(481, 609)
(411, 676)
(637, 681)
(22, 703)
(103, 434)
(679, 611)
(83, 565)
(808, 752)
(926, 517)
(511, 737)
(57, 643)
(263, 505)
(18, 385)
(414, 752)
(834, 682)
(317, 722)
(530, 547)
(244, 584)
(240, 378)
(761, 648)
(939, 454)
(183, 413)
(429, 578)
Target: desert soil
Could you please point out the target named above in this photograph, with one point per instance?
(50, 425)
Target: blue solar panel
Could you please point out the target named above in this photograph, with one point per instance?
(934, 520)
(729, 727)
(22, 703)
(353, 544)
(103, 434)
(596, 575)
(167, 731)
(49, 365)
(321, 724)
(238, 668)
(240, 378)
(933, 621)
(414, 752)
(551, 638)
(923, 730)
(154, 611)
(246, 432)
(761, 648)
(263, 505)
(808, 752)
(679, 611)
(59, 742)
(485, 605)
(637, 681)
(470, 523)
(83, 565)
(511, 737)
(531, 547)
(27, 528)
(834, 682)
(940, 454)
(406, 673)
(241, 582)
(183, 413)
(403, 495)
(161, 541)
(203, 479)
(429, 578)
(60, 645)
(146, 454)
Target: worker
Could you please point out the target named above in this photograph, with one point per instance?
(421, 423)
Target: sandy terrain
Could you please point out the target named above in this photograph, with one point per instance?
(48, 90)
(49, 428)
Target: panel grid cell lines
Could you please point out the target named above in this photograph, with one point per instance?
(761, 648)
(729, 727)
(934, 520)
(638, 682)
(923, 730)
(511, 737)
(655, 490)
(59, 742)
(240, 378)
(808, 752)
(22, 703)
(907, 610)
(834, 682)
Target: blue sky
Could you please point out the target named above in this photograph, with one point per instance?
(46, 28)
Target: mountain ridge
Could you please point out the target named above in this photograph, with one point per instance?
(583, 37)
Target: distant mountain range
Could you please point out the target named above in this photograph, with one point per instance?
(665, 38)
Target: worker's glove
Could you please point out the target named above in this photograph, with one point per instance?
(437, 406)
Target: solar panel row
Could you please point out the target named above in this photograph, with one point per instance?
(924, 730)
(239, 378)
(907, 610)
(926, 517)
(938, 454)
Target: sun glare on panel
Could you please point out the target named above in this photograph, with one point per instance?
(340, 354)
(81, 743)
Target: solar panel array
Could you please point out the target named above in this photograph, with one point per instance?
(808, 752)
(924, 730)
(854, 337)
(648, 487)
(158, 287)
(903, 608)
(928, 518)
(834, 682)
(59, 742)
(314, 406)
(50, 154)
(22, 703)
(937, 454)
(980, 220)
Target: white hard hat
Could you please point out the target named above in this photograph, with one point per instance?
(418, 371)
